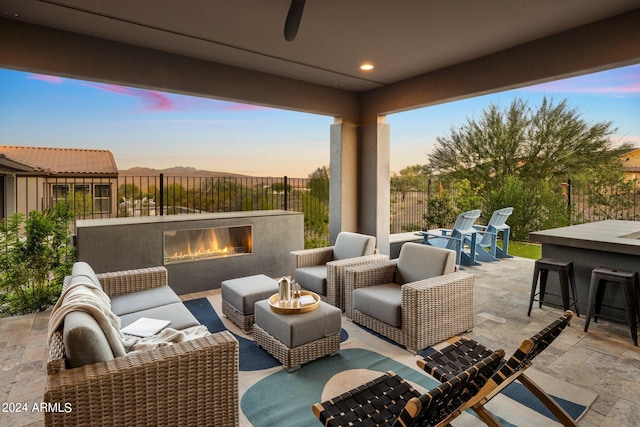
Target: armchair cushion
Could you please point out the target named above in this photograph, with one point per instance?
(84, 341)
(313, 278)
(419, 262)
(351, 245)
(383, 302)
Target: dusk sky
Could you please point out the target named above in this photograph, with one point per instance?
(160, 130)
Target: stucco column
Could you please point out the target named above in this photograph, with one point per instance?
(373, 177)
(360, 180)
(343, 176)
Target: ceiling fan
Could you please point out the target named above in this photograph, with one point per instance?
(293, 19)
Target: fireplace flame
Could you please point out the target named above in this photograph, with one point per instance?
(207, 246)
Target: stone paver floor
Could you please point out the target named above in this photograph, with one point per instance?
(603, 361)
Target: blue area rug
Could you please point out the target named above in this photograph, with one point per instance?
(291, 395)
(252, 357)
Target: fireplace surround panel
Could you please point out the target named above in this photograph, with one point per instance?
(259, 242)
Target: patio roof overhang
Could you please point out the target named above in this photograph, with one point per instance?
(425, 54)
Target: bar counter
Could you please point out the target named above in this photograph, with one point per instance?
(609, 243)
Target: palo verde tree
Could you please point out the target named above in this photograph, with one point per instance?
(533, 144)
(522, 148)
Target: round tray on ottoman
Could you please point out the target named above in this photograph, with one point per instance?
(295, 307)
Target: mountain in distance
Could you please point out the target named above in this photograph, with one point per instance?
(177, 171)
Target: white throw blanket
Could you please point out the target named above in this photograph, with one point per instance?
(91, 299)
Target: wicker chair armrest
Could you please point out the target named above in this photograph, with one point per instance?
(195, 380)
(310, 257)
(336, 275)
(436, 309)
(336, 269)
(360, 276)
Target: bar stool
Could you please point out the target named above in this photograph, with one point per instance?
(628, 280)
(565, 272)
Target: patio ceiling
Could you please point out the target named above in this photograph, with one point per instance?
(402, 39)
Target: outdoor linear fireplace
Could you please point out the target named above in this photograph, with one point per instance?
(199, 251)
(206, 243)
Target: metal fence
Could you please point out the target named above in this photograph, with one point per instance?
(580, 201)
(135, 196)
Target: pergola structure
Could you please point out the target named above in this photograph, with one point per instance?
(423, 52)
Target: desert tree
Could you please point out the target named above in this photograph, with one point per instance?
(533, 144)
(411, 178)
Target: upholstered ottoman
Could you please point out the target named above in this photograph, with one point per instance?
(295, 339)
(240, 295)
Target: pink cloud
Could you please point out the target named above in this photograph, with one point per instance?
(232, 106)
(159, 101)
(152, 100)
(45, 78)
(622, 81)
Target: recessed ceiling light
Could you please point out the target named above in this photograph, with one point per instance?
(366, 67)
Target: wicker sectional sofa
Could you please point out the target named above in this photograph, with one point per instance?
(189, 383)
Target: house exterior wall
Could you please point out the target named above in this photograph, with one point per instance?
(93, 197)
(631, 165)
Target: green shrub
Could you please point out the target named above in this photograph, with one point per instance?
(440, 213)
(35, 256)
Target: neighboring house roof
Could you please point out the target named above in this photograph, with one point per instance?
(13, 166)
(61, 160)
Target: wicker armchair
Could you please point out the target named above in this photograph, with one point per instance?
(191, 383)
(391, 401)
(429, 299)
(321, 270)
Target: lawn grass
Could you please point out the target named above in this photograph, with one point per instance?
(524, 249)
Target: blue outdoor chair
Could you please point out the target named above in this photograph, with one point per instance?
(454, 239)
(489, 237)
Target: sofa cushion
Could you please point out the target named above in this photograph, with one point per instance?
(351, 245)
(83, 273)
(419, 262)
(179, 316)
(382, 302)
(312, 278)
(143, 300)
(84, 341)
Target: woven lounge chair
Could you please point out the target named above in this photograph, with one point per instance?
(391, 401)
(455, 238)
(415, 300)
(461, 353)
(487, 245)
(321, 270)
